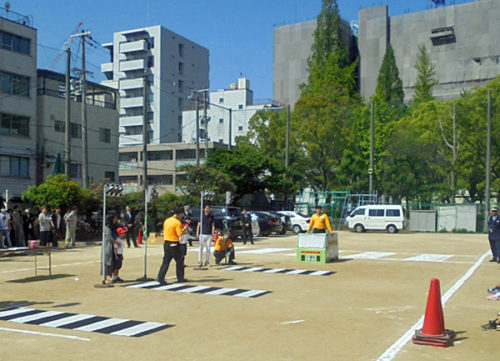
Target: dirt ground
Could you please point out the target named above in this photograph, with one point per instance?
(356, 313)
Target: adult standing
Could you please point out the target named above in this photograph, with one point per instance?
(45, 222)
(172, 230)
(70, 219)
(247, 226)
(204, 233)
(129, 222)
(57, 220)
(4, 229)
(319, 222)
(17, 222)
(28, 227)
(494, 234)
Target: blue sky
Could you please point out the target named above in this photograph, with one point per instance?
(238, 33)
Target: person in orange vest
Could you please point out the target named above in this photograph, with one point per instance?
(172, 230)
(319, 222)
(223, 245)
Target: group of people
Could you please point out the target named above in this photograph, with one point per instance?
(17, 228)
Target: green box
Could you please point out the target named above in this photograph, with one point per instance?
(317, 247)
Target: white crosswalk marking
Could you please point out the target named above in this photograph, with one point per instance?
(35, 316)
(274, 270)
(234, 268)
(15, 311)
(221, 291)
(252, 269)
(101, 324)
(146, 284)
(429, 257)
(67, 320)
(371, 255)
(168, 287)
(319, 273)
(134, 330)
(296, 272)
(250, 293)
(194, 289)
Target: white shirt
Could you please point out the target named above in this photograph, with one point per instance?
(119, 249)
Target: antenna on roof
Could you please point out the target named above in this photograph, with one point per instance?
(7, 6)
(438, 3)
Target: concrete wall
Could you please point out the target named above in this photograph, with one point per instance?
(471, 59)
(21, 64)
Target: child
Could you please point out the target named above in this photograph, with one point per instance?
(223, 245)
(118, 252)
(185, 238)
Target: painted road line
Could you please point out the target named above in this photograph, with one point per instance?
(280, 270)
(146, 284)
(265, 250)
(292, 322)
(14, 311)
(321, 273)
(251, 269)
(207, 290)
(296, 272)
(273, 270)
(44, 334)
(234, 268)
(370, 255)
(401, 342)
(251, 293)
(83, 322)
(429, 257)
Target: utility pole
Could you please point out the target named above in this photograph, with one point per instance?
(230, 128)
(372, 145)
(488, 163)
(85, 161)
(287, 146)
(67, 122)
(206, 122)
(145, 149)
(197, 131)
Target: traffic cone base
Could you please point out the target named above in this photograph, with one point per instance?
(139, 237)
(443, 340)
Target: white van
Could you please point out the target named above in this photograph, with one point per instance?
(377, 217)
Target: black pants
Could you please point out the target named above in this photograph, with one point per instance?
(53, 238)
(131, 234)
(247, 235)
(315, 230)
(220, 255)
(45, 237)
(495, 249)
(172, 250)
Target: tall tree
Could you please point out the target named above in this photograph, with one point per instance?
(425, 77)
(389, 85)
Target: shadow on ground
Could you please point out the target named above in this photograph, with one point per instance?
(40, 278)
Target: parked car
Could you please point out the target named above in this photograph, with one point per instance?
(286, 224)
(222, 215)
(267, 223)
(299, 222)
(377, 217)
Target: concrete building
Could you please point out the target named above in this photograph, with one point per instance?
(232, 107)
(102, 128)
(164, 160)
(18, 155)
(174, 67)
(292, 49)
(462, 41)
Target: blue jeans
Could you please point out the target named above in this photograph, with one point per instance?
(5, 233)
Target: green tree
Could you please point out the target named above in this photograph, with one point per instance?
(425, 77)
(389, 85)
(58, 191)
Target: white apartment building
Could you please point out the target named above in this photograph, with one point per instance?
(174, 65)
(102, 128)
(18, 155)
(226, 108)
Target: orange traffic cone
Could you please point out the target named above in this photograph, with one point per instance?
(433, 333)
(139, 237)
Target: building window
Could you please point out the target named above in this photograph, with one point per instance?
(181, 50)
(221, 100)
(75, 131)
(181, 86)
(105, 135)
(128, 157)
(151, 42)
(128, 180)
(151, 61)
(221, 140)
(14, 125)
(110, 175)
(161, 179)
(59, 126)
(181, 68)
(221, 121)
(160, 155)
(181, 103)
(75, 171)
(133, 130)
(14, 84)
(14, 166)
(240, 106)
(14, 43)
(240, 128)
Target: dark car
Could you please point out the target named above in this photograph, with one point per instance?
(286, 223)
(268, 223)
(230, 216)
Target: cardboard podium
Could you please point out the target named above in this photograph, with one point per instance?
(318, 247)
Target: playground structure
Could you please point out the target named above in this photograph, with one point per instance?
(337, 204)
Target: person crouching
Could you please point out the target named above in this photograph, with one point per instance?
(223, 245)
(118, 246)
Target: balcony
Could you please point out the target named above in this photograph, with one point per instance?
(180, 163)
(133, 46)
(107, 67)
(128, 165)
(127, 84)
(132, 65)
(131, 102)
(130, 140)
(131, 120)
